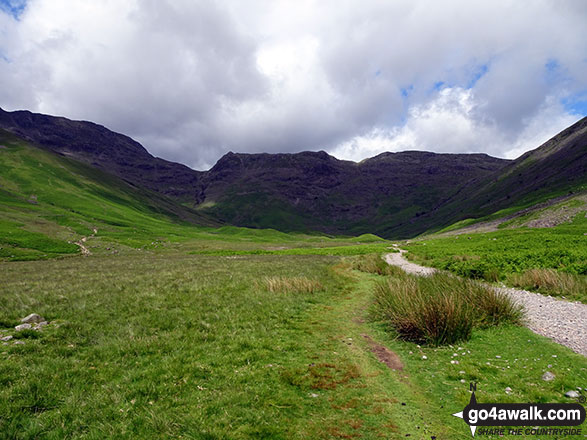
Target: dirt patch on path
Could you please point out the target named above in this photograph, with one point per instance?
(384, 354)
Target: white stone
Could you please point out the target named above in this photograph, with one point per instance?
(32, 318)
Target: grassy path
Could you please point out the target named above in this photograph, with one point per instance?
(392, 405)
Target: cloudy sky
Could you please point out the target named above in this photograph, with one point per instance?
(192, 79)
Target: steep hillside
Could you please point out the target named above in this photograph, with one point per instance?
(47, 202)
(394, 195)
(111, 152)
(315, 191)
(556, 168)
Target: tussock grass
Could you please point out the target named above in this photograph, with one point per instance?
(552, 282)
(373, 263)
(277, 284)
(441, 309)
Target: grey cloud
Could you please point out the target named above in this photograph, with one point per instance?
(183, 77)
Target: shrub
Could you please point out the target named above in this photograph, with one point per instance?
(552, 282)
(292, 285)
(441, 309)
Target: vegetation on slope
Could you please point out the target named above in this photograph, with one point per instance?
(49, 202)
(507, 254)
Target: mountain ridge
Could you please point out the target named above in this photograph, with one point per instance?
(393, 194)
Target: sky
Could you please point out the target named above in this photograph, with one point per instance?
(192, 80)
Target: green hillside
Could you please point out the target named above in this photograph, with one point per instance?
(49, 202)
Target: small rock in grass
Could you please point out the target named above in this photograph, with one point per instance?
(32, 318)
(454, 362)
(463, 381)
(508, 390)
(572, 394)
(424, 357)
(462, 372)
(6, 338)
(19, 342)
(498, 357)
(22, 327)
(314, 395)
(548, 376)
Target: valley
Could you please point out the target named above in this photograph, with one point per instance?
(252, 300)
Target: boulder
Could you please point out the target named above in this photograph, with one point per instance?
(32, 318)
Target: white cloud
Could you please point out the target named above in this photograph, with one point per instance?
(194, 79)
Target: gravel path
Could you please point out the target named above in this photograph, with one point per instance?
(562, 321)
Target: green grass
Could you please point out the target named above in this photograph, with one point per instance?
(168, 345)
(440, 309)
(500, 255)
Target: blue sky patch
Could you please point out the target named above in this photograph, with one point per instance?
(576, 104)
(13, 7)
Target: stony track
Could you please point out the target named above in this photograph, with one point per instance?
(562, 321)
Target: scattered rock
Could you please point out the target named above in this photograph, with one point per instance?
(6, 338)
(40, 325)
(498, 357)
(454, 362)
(508, 390)
(32, 318)
(18, 342)
(572, 394)
(23, 327)
(548, 376)
(313, 395)
(424, 357)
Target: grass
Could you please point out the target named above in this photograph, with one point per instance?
(506, 254)
(440, 309)
(163, 344)
(373, 263)
(551, 282)
(278, 284)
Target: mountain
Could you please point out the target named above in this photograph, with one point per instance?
(556, 168)
(108, 151)
(394, 195)
(50, 201)
(315, 191)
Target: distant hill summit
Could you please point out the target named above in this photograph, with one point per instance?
(393, 194)
(104, 149)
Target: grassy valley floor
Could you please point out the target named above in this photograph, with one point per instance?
(172, 344)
